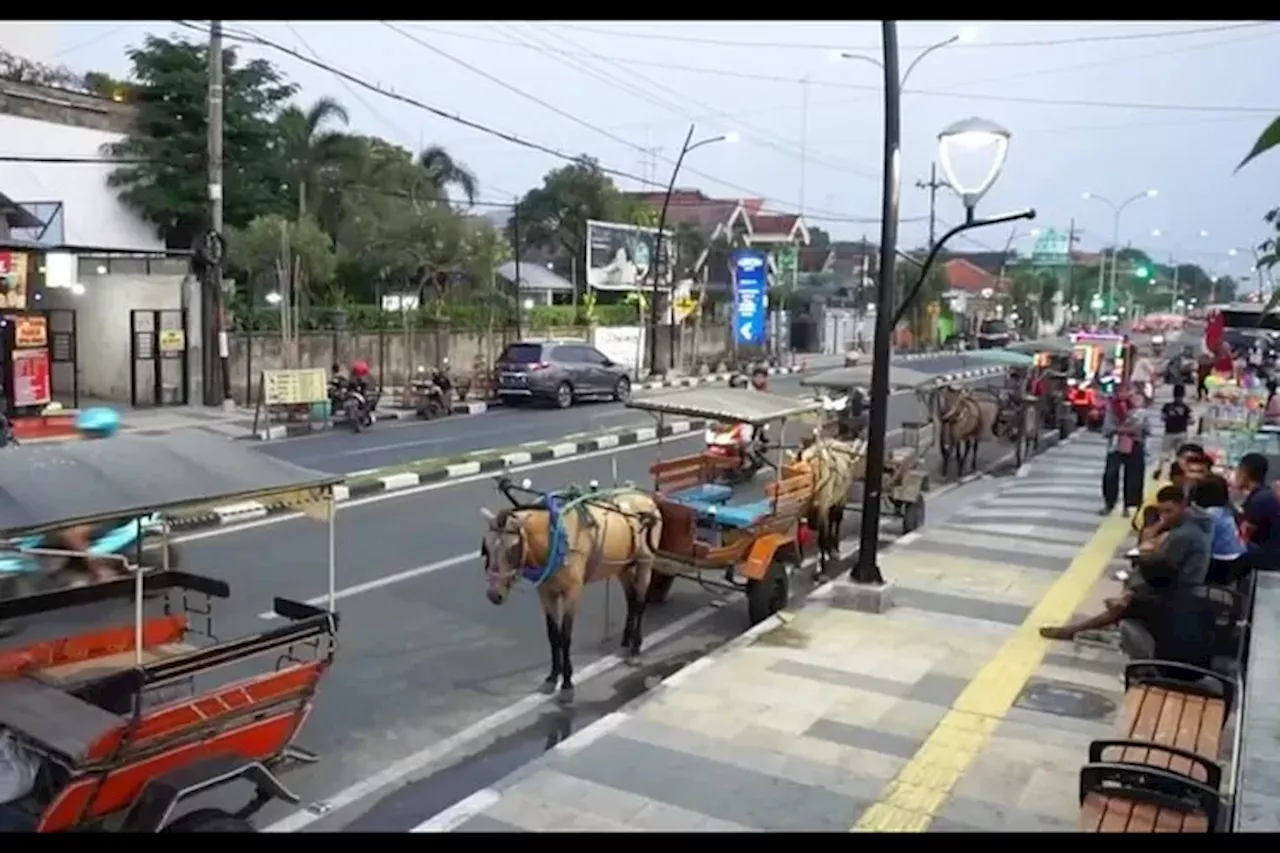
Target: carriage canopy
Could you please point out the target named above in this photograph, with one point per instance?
(50, 486)
(845, 378)
(725, 404)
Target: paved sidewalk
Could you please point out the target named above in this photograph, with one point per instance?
(946, 713)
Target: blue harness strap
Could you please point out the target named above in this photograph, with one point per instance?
(553, 503)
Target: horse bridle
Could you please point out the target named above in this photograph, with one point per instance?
(499, 531)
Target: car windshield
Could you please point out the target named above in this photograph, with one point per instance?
(522, 354)
(994, 327)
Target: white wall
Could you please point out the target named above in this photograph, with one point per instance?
(102, 324)
(92, 213)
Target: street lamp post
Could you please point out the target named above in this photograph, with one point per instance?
(655, 261)
(1173, 263)
(1117, 209)
(971, 133)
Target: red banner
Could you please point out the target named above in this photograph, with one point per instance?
(31, 377)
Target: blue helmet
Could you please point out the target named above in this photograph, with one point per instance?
(98, 422)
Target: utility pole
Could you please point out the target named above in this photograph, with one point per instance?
(1069, 288)
(804, 135)
(217, 384)
(515, 250)
(932, 185)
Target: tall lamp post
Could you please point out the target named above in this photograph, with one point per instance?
(1116, 209)
(973, 134)
(1174, 252)
(655, 261)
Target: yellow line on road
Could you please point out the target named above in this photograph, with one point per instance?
(921, 788)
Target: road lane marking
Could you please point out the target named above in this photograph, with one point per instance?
(386, 580)
(429, 755)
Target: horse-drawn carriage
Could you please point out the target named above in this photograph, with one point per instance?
(118, 727)
(905, 479)
(1052, 363)
(739, 537)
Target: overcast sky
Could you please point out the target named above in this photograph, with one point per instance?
(1106, 107)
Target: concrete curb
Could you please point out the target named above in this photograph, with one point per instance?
(252, 510)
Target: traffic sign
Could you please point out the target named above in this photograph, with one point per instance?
(750, 297)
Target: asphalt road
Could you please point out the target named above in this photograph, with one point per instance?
(423, 655)
(400, 442)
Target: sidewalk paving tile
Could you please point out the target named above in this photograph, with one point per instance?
(948, 704)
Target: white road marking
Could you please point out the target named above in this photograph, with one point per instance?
(460, 812)
(423, 758)
(387, 580)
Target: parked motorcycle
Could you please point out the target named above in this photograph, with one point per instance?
(427, 396)
(23, 573)
(358, 406)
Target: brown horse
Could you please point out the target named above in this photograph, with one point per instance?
(836, 465)
(614, 535)
(964, 420)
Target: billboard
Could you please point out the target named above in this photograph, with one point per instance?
(750, 296)
(619, 256)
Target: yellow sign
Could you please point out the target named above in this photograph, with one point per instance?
(295, 387)
(30, 332)
(172, 340)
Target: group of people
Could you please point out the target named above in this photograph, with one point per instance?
(1190, 535)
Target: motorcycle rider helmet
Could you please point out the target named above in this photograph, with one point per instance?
(98, 422)
(359, 370)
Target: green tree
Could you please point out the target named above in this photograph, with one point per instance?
(313, 153)
(553, 217)
(168, 186)
(442, 173)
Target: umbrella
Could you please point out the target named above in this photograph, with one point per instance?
(1003, 357)
(1053, 346)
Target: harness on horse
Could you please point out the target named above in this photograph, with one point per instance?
(557, 505)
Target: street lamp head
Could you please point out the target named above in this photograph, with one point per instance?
(1232, 252)
(273, 298)
(1152, 193)
(1204, 233)
(972, 134)
(1086, 195)
(967, 35)
(731, 137)
(1155, 232)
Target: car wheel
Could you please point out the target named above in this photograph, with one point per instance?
(564, 395)
(622, 391)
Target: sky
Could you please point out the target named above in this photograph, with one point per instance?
(1109, 108)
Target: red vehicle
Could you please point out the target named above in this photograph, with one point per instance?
(1099, 362)
(118, 728)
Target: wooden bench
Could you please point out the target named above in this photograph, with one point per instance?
(1162, 773)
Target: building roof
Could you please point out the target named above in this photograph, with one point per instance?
(534, 276)
(963, 274)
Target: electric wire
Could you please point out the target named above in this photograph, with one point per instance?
(978, 45)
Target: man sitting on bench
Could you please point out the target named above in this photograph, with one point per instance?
(1179, 562)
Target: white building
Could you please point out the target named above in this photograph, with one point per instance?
(119, 264)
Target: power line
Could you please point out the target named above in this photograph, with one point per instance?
(778, 143)
(1059, 42)
(564, 113)
(741, 75)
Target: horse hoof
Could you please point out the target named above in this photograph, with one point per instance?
(548, 687)
(565, 696)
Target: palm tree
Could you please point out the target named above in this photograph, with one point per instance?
(441, 172)
(310, 150)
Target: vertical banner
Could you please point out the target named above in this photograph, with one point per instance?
(750, 296)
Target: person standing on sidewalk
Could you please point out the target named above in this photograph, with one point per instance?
(1177, 418)
(1125, 427)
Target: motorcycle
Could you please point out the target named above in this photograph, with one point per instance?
(739, 447)
(358, 408)
(428, 396)
(24, 573)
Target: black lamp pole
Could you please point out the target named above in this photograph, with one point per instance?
(866, 570)
(657, 255)
(887, 316)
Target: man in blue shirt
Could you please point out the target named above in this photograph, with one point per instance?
(1261, 511)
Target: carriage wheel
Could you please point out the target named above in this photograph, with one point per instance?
(659, 587)
(768, 595)
(913, 516)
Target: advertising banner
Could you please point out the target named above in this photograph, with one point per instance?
(31, 377)
(750, 296)
(619, 256)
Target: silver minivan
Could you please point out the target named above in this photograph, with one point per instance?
(561, 372)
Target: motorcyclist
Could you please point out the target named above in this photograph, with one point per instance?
(92, 423)
(760, 379)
